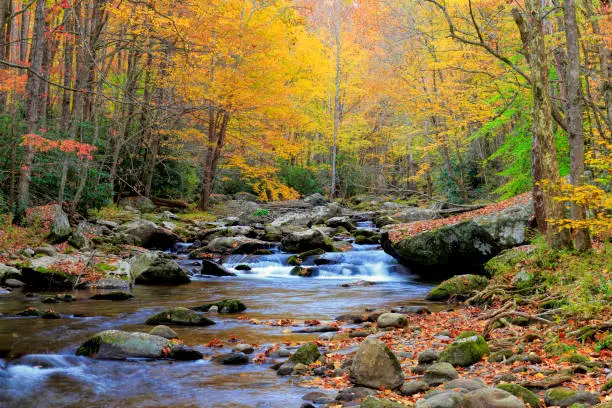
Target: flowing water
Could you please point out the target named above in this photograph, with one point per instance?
(40, 369)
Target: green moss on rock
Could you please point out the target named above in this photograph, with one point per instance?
(523, 393)
(307, 354)
(224, 306)
(371, 402)
(458, 287)
(179, 316)
(465, 351)
(505, 261)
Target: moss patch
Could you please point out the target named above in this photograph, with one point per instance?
(523, 393)
(224, 306)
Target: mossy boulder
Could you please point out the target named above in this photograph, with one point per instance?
(376, 366)
(50, 315)
(164, 331)
(224, 306)
(210, 268)
(116, 295)
(157, 268)
(179, 316)
(306, 354)
(458, 287)
(505, 261)
(491, 398)
(523, 393)
(566, 397)
(236, 245)
(296, 260)
(302, 241)
(303, 271)
(43, 272)
(367, 240)
(30, 312)
(465, 351)
(120, 345)
(371, 402)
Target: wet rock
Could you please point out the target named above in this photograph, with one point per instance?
(322, 213)
(448, 399)
(358, 334)
(13, 283)
(376, 366)
(306, 354)
(234, 358)
(358, 283)
(344, 222)
(318, 397)
(466, 350)
(326, 336)
(304, 272)
(361, 239)
(50, 315)
(299, 368)
(413, 387)
(491, 398)
(223, 306)
(116, 295)
(565, 397)
(293, 219)
(164, 331)
(243, 267)
(439, 373)
(50, 299)
(391, 320)
(354, 393)
(302, 241)
(322, 328)
(179, 316)
(459, 287)
(119, 345)
(8, 272)
(411, 310)
(181, 352)
(211, 268)
(243, 348)
(157, 268)
(286, 368)
(43, 273)
(522, 393)
(298, 259)
(146, 234)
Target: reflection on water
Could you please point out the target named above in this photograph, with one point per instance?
(41, 369)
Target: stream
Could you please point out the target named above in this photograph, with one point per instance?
(38, 367)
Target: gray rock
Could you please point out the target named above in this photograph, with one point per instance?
(439, 373)
(302, 241)
(78, 240)
(391, 320)
(14, 283)
(411, 310)
(47, 250)
(157, 268)
(236, 245)
(8, 272)
(465, 384)
(376, 366)
(323, 213)
(164, 331)
(448, 399)
(179, 316)
(146, 234)
(315, 200)
(293, 219)
(60, 229)
(491, 398)
(318, 397)
(413, 387)
(428, 356)
(211, 268)
(235, 358)
(286, 368)
(140, 203)
(243, 348)
(565, 397)
(354, 393)
(415, 214)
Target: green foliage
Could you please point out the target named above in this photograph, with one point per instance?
(302, 179)
(261, 212)
(605, 343)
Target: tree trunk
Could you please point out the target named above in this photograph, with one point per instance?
(217, 132)
(582, 240)
(337, 108)
(543, 133)
(33, 106)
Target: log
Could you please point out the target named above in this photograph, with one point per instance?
(163, 202)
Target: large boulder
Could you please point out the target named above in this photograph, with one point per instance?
(296, 219)
(302, 241)
(315, 200)
(523, 393)
(8, 272)
(157, 268)
(386, 320)
(208, 235)
(566, 397)
(120, 345)
(325, 212)
(439, 373)
(306, 354)
(179, 316)
(376, 366)
(44, 272)
(458, 287)
(491, 398)
(415, 214)
(146, 234)
(60, 229)
(465, 350)
(211, 268)
(468, 244)
(236, 245)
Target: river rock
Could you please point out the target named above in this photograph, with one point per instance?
(211, 268)
(323, 213)
(427, 357)
(139, 203)
(157, 268)
(523, 393)
(116, 295)
(179, 316)
(304, 271)
(565, 397)
(465, 351)
(119, 345)
(413, 387)
(46, 250)
(223, 306)
(13, 283)
(164, 331)
(237, 245)
(306, 354)
(447, 399)
(302, 241)
(439, 373)
(43, 272)
(491, 398)
(371, 402)
(8, 272)
(234, 358)
(354, 393)
(243, 348)
(391, 320)
(344, 222)
(465, 384)
(469, 243)
(415, 214)
(376, 366)
(286, 368)
(298, 219)
(146, 234)
(457, 287)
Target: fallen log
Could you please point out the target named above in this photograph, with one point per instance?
(163, 202)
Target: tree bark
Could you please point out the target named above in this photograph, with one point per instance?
(574, 113)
